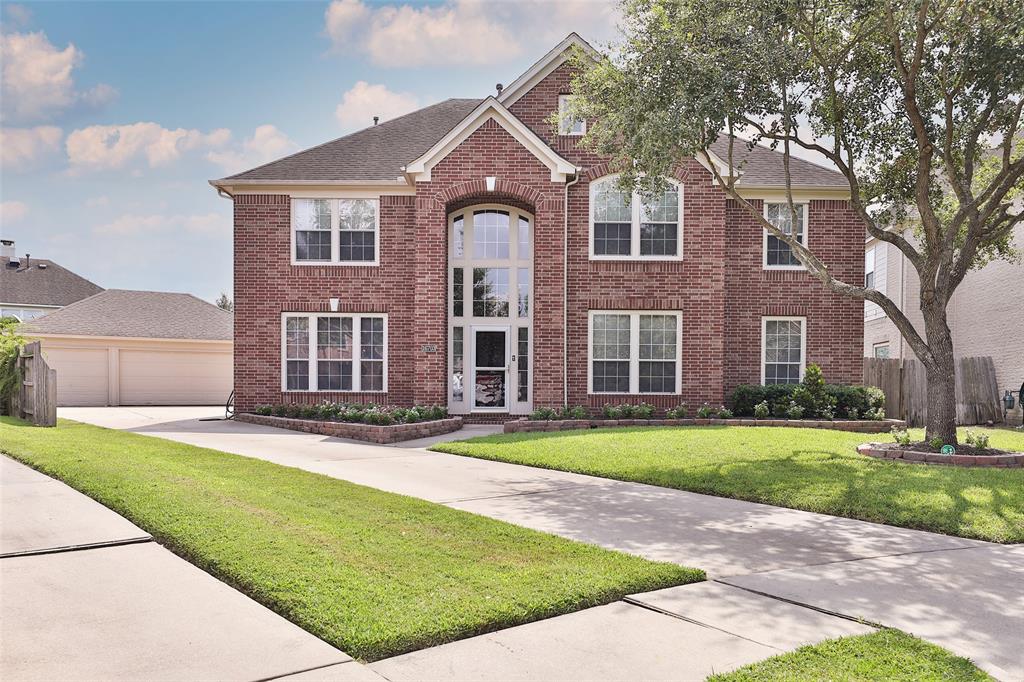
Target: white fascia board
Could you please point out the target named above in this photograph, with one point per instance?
(491, 108)
(539, 71)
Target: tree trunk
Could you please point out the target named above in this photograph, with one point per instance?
(940, 372)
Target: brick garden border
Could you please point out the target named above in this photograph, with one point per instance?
(886, 451)
(367, 432)
(860, 426)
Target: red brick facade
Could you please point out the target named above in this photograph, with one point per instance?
(718, 284)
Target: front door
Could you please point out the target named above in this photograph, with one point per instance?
(490, 368)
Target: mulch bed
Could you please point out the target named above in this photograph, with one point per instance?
(924, 453)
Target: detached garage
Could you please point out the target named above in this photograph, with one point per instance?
(124, 347)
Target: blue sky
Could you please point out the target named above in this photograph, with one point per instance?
(115, 115)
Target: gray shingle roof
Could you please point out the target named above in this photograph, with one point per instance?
(378, 153)
(375, 153)
(762, 167)
(49, 285)
(140, 314)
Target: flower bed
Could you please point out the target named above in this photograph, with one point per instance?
(393, 433)
(860, 426)
(921, 456)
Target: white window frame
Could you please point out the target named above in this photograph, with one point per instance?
(635, 220)
(764, 341)
(634, 350)
(336, 233)
(804, 208)
(565, 122)
(881, 344)
(357, 351)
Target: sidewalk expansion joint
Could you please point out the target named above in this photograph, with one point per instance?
(77, 548)
(827, 612)
(643, 605)
(283, 676)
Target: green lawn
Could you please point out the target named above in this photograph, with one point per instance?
(812, 469)
(884, 655)
(374, 573)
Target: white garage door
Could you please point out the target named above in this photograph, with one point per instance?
(81, 375)
(170, 377)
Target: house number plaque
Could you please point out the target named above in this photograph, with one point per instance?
(428, 348)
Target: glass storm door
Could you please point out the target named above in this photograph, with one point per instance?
(490, 368)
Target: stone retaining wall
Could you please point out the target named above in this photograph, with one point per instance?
(368, 432)
(885, 451)
(861, 426)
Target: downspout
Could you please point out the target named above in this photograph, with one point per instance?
(565, 291)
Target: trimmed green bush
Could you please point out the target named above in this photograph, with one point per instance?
(837, 400)
(357, 413)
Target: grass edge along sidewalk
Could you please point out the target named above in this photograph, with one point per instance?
(816, 470)
(373, 573)
(884, 655)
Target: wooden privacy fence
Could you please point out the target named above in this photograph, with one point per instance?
(36, 398)
(906, 389)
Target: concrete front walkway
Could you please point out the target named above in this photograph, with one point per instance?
(86, 595)
(846, 567)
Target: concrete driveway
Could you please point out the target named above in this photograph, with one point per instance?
(88, 596)
(850, 568)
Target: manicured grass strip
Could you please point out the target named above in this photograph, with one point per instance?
(884, 655)
(374, 573)
(812, 469)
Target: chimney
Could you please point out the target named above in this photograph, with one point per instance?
(499, 87)
(6, 248)
(375, 119)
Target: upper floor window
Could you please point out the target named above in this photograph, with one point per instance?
(335, 231)
(567, 125)
(625, 225)
(777, 254)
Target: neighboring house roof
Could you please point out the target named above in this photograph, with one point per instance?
(137, 314)
(763, 167)
(379, 153)
(51, 284)
(375, 153)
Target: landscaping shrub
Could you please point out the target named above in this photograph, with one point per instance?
(678, 412)
(705, 411)
(643, 411)
(976, 439)
(357, 413)
(794, 411)
(901, 436)
(724, 412)
(543, 414)
(761, 410)
(822, 402)
(577, 412)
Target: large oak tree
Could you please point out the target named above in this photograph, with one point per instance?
(918, 104)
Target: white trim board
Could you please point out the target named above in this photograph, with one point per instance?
(491, 108)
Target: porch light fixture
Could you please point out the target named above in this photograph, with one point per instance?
(490, 182)
(334, 304)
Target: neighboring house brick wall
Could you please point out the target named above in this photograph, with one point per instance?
(984, 315)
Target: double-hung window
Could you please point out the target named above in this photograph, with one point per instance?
(567, 123)
(635, 352)
(625, 225)
(778, 255)
(783, 349)
(334, 352)
(335, 231)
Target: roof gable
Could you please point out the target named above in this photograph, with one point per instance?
(491, 109)
(543, 68)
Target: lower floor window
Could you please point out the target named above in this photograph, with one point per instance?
(881, 350)
(783, 343)
(334, 352)
(634, 352)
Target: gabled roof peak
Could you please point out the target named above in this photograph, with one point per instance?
(555, 57)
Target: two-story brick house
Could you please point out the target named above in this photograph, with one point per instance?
(474, 255)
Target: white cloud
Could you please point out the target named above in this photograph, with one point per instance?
(131, 224)
(20, 147)
(363, 101)
(463, 32)
(266, 144)
(12, 211)
(107, 147)
(37, 77)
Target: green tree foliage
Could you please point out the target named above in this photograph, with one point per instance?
(918, 104)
